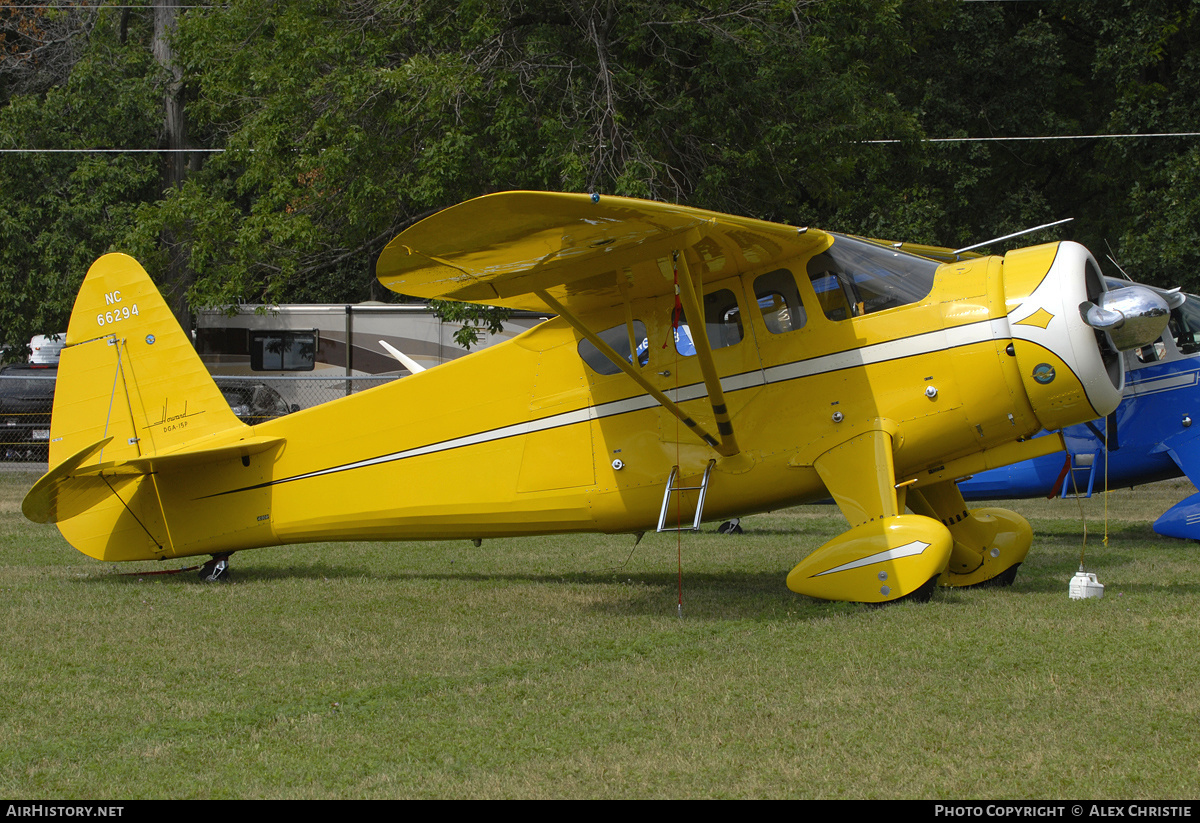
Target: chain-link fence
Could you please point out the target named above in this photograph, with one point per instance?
(26, 401)
(26, 398)
(255, 399)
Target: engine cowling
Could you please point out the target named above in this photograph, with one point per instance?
(1068, 331)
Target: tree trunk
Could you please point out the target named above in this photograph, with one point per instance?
(176, 163)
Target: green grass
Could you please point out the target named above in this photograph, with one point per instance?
(558, 667)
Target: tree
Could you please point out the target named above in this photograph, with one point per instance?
(1028, 69)
(342, 122)
(59, 211)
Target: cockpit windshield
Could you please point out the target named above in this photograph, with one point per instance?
(1185, 325)
(854, 277)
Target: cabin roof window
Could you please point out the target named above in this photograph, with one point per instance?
(283, 350)
(618, 338)
(854, 277)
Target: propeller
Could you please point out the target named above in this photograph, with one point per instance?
(1132, 316)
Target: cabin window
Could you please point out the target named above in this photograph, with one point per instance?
(779, 301)
(722, 322)
(283, 350)
(853, 278)
(1152, 353)
(618, 338)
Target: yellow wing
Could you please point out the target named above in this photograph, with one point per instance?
(581, 249)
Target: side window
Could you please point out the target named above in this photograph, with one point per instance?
(779, 301)
(1152, 353)
(722, 322)
(853, 277)
(830, 293)
(618, 338)
(283, 350)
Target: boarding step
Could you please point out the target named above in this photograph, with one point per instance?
(672, 489)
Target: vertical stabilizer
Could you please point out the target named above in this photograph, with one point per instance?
(130, 373)
(141, 440)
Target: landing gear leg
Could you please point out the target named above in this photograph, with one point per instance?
(886, 555)
(215, 570)
(989, 544)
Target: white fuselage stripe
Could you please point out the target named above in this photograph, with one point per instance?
(1158, 384)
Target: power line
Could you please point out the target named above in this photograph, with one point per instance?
(108, 151)
(70, 6)
(1036, 139)
(884, 141)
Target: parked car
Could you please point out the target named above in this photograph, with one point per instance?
(253, 402)
(26, 400)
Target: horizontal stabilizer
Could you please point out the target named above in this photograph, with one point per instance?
(52, 495)
(75, 485)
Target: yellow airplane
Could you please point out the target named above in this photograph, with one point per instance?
(700, 366)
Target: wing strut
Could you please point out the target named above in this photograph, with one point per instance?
(627, 367)
(712, 381)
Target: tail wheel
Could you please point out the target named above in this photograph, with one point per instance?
(215, 570)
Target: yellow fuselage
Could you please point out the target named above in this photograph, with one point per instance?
(524, 438)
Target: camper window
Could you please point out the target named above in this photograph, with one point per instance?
(283, 350)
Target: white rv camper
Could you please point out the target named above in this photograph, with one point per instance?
(327, 350)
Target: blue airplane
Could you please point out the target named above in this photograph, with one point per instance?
(1149, 437)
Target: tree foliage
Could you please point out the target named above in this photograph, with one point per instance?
(60, 210)
(345, 125)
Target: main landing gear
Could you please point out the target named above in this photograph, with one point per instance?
(888, 555)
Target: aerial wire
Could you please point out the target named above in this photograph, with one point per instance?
(1106, 419)
(676, 315)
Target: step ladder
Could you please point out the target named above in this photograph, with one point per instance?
(1081, 479)
(672, 488)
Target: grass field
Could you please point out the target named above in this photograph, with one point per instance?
(559, 668)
